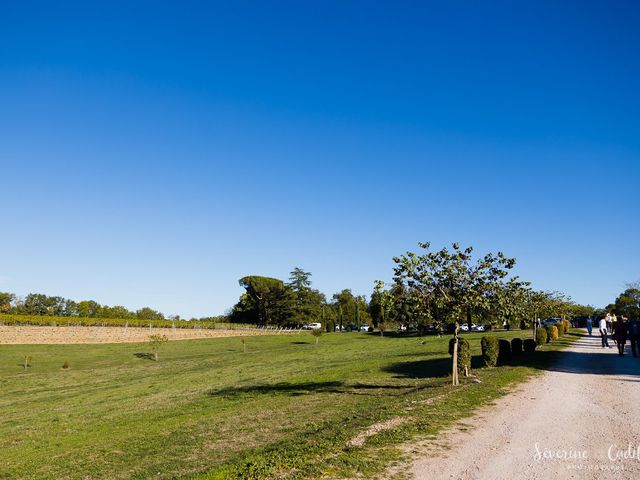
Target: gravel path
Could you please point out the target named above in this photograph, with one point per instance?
(580, 420)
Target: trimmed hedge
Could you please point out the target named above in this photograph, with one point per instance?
(560, 327)
(530, 344)
(541, 336)
(504, 350)
(490, 349)
(516, 346)
(552, 333)
(464, 353)
(567, 325)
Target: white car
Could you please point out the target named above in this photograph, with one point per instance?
(477, 328)
(364, 327)
(464, 327)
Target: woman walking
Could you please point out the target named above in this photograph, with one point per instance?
(589, 325)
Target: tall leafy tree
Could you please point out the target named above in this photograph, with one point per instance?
(308, 301)
(299, 280)
(268, 300)
(446, 286)
(628, 303)
(382, 305)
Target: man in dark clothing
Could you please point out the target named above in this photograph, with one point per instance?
(620, 334)
(633, 333)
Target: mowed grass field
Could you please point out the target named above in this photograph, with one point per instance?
(286, 408)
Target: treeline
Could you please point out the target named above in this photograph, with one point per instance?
(40, 305)
(429, 288)
(271, 301)
(627, 304)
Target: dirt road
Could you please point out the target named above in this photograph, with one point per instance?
(580, 420)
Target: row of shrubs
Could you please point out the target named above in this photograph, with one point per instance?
(48, 321)
(551, 333)
(494, 350)
(499, 350)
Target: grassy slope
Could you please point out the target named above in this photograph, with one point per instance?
(284, 406)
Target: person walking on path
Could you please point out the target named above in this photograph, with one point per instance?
(620, 334)
(603, 332)
(633, 334)
(589, 325)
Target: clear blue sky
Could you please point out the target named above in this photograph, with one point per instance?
(153, 154)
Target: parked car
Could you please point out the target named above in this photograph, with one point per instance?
(550, 322)
(477, 328)
(312, 326)
(364, 327)
(464, 327)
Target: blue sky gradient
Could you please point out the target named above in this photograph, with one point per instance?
(153, 154)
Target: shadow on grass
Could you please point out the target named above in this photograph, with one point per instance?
(145, 356)
(434, 367)
(305, 388)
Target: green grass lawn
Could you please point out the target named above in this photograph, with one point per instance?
(285, 407)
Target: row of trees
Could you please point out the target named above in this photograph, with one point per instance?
(430, 287)
(270, 301)
(44, 305)
(451, 285)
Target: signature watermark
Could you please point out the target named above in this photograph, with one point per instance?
(632, 452)
(558, 454)
(577, 458)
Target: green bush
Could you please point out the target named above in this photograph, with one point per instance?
(504, 350)
(541, 336)
(489, 344)
(552, 333)
(529, 344)
(566, 325)
(464, 354)
(560, 327)
(516, 346)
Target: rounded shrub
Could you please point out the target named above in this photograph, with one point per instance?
(541, 336)
(530, 345)
(516, 346)
(490, 348)
(566, 325)
(552, 333)
(504, 350)
(560, 327)
(464, 353)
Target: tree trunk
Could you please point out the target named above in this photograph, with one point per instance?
(454, 373)
(469, 319)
